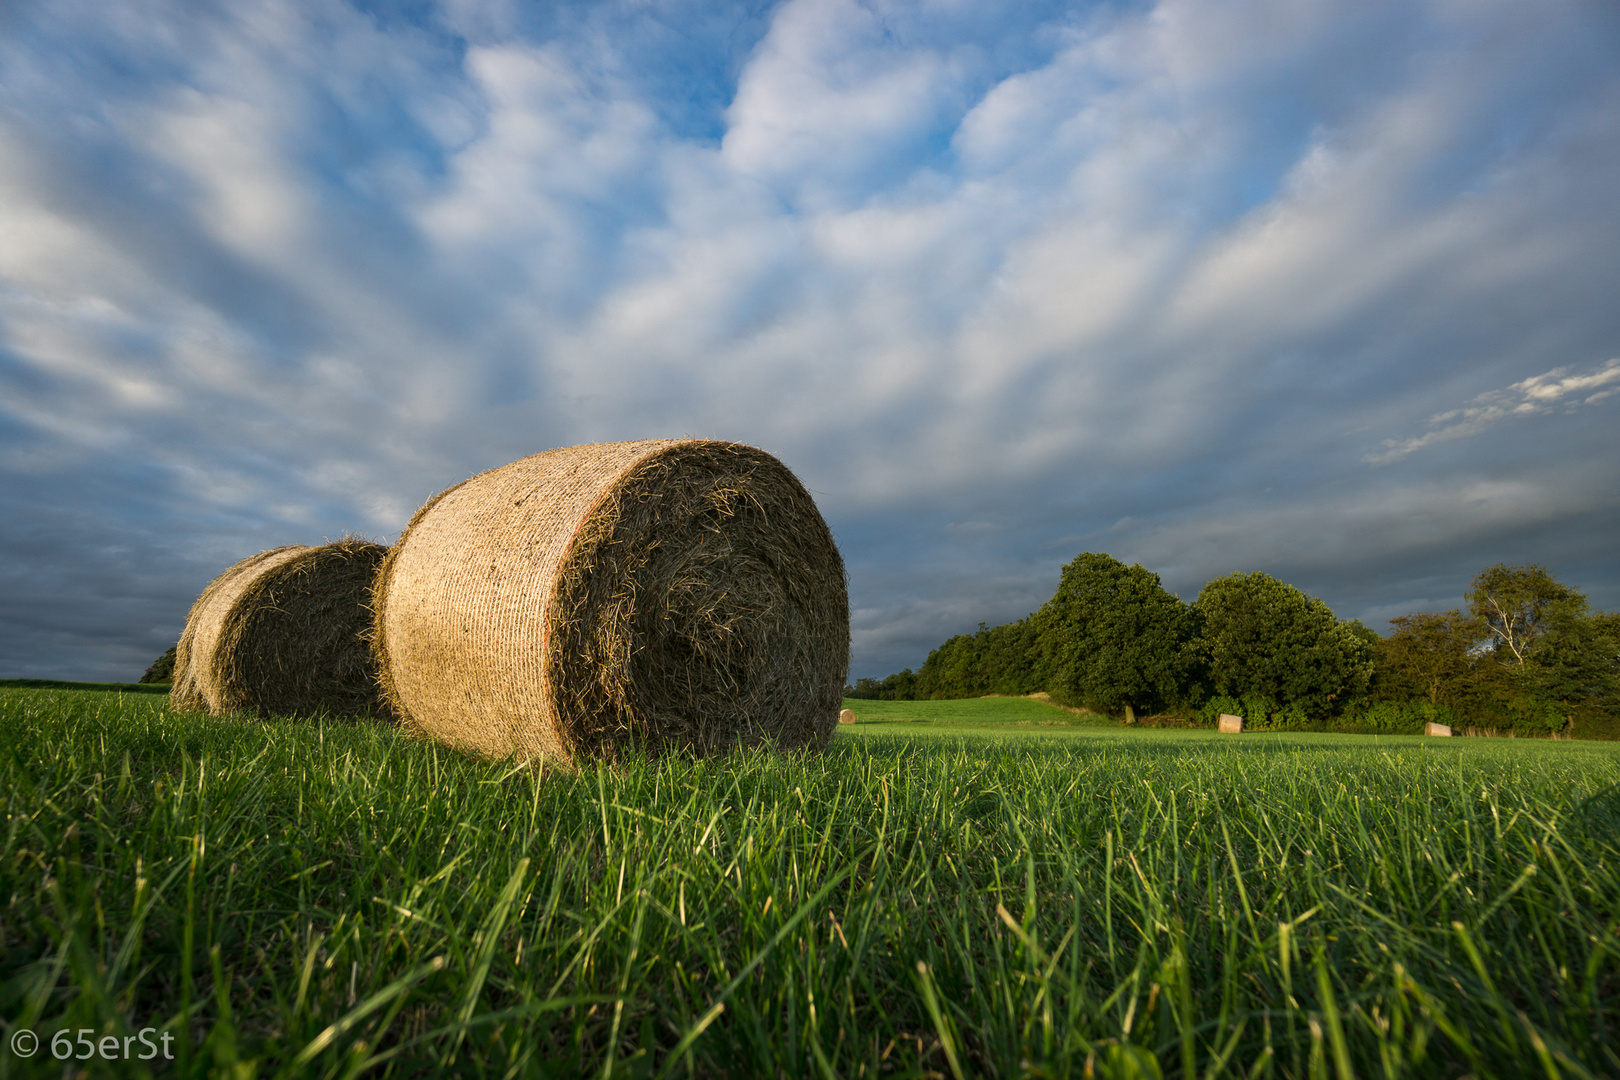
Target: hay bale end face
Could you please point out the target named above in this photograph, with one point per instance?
(847, 716)
(1231, 725)
(666, 594)
(285, 632)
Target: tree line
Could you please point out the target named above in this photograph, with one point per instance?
(1528, 656)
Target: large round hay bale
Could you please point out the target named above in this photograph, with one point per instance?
(285, 632)
(665, 594)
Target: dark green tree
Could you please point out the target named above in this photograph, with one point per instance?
(1577, 660)
(1114, 639)
(995, 660)
(1263, 638)
(901, 686)
(1430, 655)
(162, 669)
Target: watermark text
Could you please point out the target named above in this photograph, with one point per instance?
(81, 1044)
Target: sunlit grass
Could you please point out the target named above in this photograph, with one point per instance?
(334, 900)
(984, 711)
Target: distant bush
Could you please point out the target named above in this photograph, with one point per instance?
(1259, 713)
(1254, 708)
(1397, 717)
(162, 669)
(1512, 708)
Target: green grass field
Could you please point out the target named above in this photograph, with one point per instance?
(1010, 715)
(1035, 900)
(58, 684)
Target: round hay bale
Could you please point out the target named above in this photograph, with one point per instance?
(847, 716)
(193, 685)
(666, 594)
(284, 632)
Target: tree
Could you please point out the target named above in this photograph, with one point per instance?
(162, 669)
(1268, 639)
(995, 660)
(1518, 604)
(1433, 653)
(1553, 657)
(1576, 660)
(1114, 639)
(901, 686)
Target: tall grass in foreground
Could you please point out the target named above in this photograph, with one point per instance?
(327, 900)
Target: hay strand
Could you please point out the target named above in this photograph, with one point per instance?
(671, 594)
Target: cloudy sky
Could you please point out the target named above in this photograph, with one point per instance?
(1324, 288)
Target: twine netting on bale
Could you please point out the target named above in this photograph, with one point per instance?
(667, 594)
(285, 632)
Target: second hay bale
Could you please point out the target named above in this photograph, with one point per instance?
(284, 632)
(661, 593)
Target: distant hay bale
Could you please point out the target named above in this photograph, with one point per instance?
(1231, 725)
(1431, 728)
(194, 686)
(667, 594)
(847, 716)
(284, 632)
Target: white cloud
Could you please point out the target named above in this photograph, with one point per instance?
(1547, 392)
(827, 101)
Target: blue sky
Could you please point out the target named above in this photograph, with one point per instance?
(1324, 289)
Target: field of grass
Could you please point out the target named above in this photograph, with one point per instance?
(972, 711)
(968, 713)
(330, 900)
(58, 684)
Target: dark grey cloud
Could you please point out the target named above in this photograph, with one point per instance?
(1317, 288)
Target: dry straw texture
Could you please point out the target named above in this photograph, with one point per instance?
(285, 632)
(668, 594)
